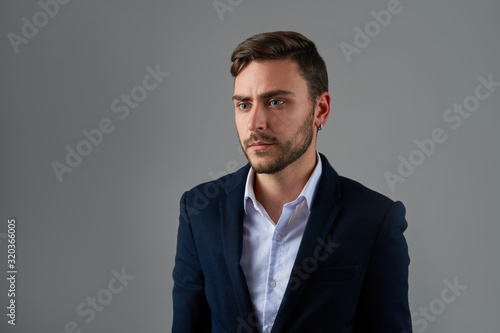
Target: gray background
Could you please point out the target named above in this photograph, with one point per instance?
(119, 207)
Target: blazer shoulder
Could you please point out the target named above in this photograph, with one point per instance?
(359, 201)
(210, 193)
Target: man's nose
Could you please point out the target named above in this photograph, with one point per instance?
(257, 120)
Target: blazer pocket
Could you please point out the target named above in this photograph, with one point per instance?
(329, 273)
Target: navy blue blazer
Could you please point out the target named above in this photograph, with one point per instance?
(350, 274)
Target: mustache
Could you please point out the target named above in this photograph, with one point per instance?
(259, 137)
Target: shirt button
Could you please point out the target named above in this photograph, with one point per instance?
(269, 328)
(273, 284)
(278, 237)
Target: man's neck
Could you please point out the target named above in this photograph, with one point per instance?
(275, 190)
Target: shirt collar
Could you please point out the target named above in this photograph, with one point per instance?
(308, 192)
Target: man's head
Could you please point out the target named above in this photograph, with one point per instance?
(280, 97)
(284, 45)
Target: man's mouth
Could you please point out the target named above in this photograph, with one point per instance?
(259, 145)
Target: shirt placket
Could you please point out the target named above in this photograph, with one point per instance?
(275, 283)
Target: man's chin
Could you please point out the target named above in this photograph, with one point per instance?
(260, 163)
(262, 170)
(263, 161)
(265, 166)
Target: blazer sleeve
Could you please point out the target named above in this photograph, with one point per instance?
(383, 306)
(190, 307)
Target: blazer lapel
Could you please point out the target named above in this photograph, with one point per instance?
(323, 213)
(231, 219)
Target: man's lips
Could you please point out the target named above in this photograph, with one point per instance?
(259, 145)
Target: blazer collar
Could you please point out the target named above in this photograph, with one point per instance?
(323, 213)
(231, 224)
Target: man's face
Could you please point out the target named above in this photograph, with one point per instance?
(273, 113)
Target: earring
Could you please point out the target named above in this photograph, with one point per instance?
(320, 127)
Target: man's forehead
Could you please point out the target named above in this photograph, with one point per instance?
(266, 77)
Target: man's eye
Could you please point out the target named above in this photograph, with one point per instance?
(243, 106)
(275, 102)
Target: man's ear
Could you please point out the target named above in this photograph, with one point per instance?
(322, 109)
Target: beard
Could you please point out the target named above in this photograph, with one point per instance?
(288, 152)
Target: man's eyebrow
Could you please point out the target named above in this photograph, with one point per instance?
(267, 94)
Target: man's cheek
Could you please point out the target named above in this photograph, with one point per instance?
(279, 125)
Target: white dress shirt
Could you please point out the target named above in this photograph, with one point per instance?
(269, 250)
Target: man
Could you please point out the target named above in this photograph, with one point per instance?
(285, 244)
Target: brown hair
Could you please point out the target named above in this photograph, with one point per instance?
(282, 45)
